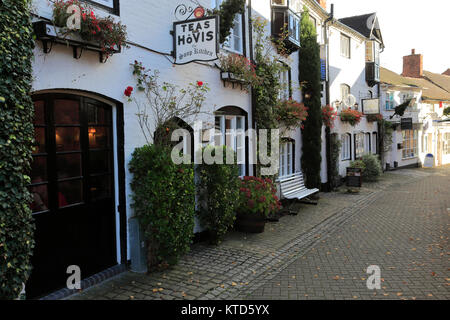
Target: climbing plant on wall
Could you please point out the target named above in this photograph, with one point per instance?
(309, 69)
(226, 12)
(16, 139)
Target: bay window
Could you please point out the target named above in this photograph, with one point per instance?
(285, 13)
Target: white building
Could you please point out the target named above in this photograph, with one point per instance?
(425, 131)
(354, 48)
(87, 130)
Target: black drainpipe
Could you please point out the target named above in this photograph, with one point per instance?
(330, 184)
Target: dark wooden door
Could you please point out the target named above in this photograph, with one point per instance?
(72, 183)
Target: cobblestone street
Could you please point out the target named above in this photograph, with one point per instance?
(399, 223)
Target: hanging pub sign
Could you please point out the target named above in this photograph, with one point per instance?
(196, 40)
(406, 124)
(371, 106)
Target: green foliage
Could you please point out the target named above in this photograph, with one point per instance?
(218, 190)
(226, 12)
(164, 202)
(334, 165)
(16, 140)
(258, 196)
(370, 165)
(447, 111)
(309, 69)
(387, 131)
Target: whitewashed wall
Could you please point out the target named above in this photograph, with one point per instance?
(351, 72)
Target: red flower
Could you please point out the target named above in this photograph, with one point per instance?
(128, 91)
(199, 83)
(262, 199)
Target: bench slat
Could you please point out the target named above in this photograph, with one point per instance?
(293, 187)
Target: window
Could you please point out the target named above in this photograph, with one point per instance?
(374, 142)
(230, 131)
(345, 92)
(345, 46)
(284, 13)
(447, 143)
(285, 84)
(367, 144)
(287, 157)
(427, 142)
(346, 146)
(234, 42)
(109, 5)
(390, 101)
(359, 145)
(409, 144)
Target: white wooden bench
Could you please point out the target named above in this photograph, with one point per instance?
(293, 188)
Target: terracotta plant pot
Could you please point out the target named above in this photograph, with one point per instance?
(250, 223)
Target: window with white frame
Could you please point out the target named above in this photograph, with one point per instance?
(234, 42)
(390, 101)
(345, 92)
(230, 131)
(447, 143)
(345, 46)
(287, 154)
(367, 146)
(374, 142)
(110, 5)
(359, 145)
(409, 144)
(285, 84)
(346, 149)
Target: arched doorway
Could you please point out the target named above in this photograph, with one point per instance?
(72, 183)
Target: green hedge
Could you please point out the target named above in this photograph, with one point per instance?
(16, 139)
(218, 187)
(370, 165)
(164, 202)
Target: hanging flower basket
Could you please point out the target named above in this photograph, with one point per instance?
(329, 114)
(291, 113)
(353, 117)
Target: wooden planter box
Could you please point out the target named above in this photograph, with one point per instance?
(50, 34)
(232, 78)
(250, 223)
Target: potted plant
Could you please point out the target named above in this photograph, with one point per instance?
(237, 68)
(257, 200)
(374, 117)
(351, 116)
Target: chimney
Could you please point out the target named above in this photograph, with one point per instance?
(413, 65)
(323, 4)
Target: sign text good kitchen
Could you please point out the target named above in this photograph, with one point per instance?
(196, 40)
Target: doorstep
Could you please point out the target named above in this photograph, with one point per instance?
(88, 282)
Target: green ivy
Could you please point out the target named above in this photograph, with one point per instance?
(164, 203)
(447, 111)
(218, 187)
(16, 140)
(226, 12)
(309, 69)
(335, 148)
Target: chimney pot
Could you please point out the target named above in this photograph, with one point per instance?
(413, 51)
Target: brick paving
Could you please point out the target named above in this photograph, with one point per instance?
(399, 223)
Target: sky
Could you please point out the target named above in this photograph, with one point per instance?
(406, 25)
